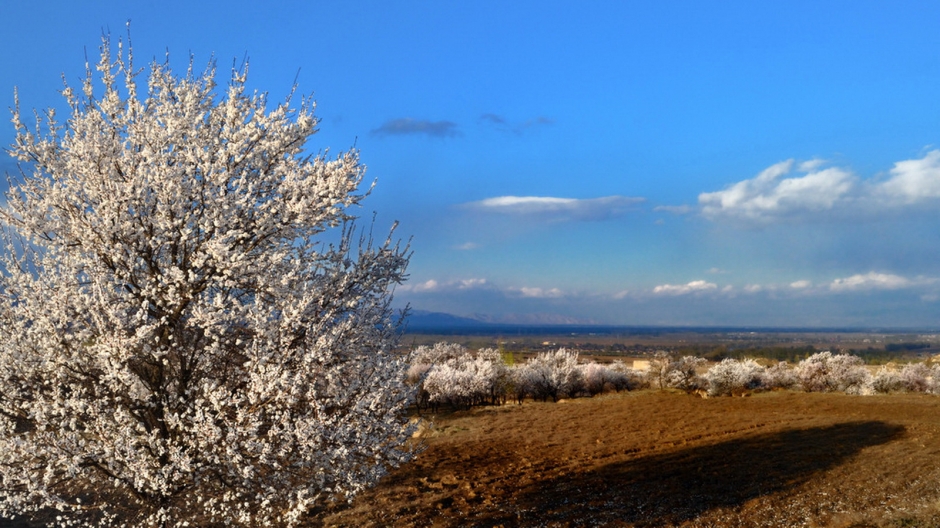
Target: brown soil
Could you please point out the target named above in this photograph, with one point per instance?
(669, 459)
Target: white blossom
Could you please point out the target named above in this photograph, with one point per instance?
(731, 375)
(548, 375)
(825, 372)
(177, 342)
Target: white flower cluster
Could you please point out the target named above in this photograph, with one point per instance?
(468, 379)
(176, 345)
(821, 372)
(731, 375)
(549, 375)
(450, 374)
(825, 372)
(913, 377)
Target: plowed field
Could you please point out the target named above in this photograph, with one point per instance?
(669, 459)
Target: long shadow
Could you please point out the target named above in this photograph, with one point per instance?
(673, 487)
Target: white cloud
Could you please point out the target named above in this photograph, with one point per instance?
(466, 246)
(466, 284)
(769, 195)
(684, 289)
(913, 180)
(558, 208)
(421, 287)
(753, 288)
(780, 191)
(540, 293)
(434, 286)
(811, 165)
(479, 284)
(800, 284)
(870, 281)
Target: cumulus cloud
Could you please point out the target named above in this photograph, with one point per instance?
(913, 180)
(790, 190)
(770, 194)
(696, 286)
(557, 208)
(406, 125)
(870, 281)
(800, 284)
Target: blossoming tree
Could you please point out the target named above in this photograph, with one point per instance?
(178, 343)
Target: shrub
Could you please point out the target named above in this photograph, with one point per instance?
(549, 375)
(824, 372)
(598, 378)
(732, 375)
(917, 377)
(887, 380)
(780, 376)
(683, 374)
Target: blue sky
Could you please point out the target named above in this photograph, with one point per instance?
(707, 163)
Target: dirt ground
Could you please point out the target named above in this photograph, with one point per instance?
(668, 459)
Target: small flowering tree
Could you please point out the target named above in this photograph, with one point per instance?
(176, 344)
(468, 379)
(548, 375)
(825, 372)
(918, 377)
(683, 373)
(779, 376)
(732, 375)
(887, 380)
(597, 378)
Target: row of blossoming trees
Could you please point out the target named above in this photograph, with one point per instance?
(451, 375)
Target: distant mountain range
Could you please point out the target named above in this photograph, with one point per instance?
(419, 319)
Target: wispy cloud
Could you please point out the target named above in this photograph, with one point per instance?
(467, 246)
(675, 209)
(408, 126)
(696, 286)
(503, 124)
(800, 284)
(557, 208)
(434, 286)
(871, 281)
(494, 119)
(478, 285)
(539, 293)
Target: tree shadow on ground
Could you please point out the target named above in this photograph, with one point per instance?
(677, 486)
